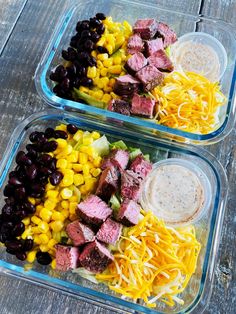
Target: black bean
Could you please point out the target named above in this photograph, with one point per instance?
(22, 159)
(14, 245)
(61, 134)
(100, 16)
(89, 45)
(85, 81)
(44, 159)
(83, 25)
(10, 200)
(18, 229)
(45, 172)
(12, 252)
(19, 155)
(20, 193)
(72, 54)
(8, 190)
(65, 84)
(29, 207)
(102, 49)
(15, 181)
(54, 77)
(93, 22)
(34, 136)
(52, 164)
(34, 147)
(32, 154)
(21, 256)
(65, 55)
(49, 133)
(100, 29)
(86, 34)
(28, 245)
(55, 178)
(61, 72)
(71, 71)
(91, 61)
(37, 188)
(31, 172)
(71, 128)
(43, 258)
(73, 43)
(19, 215)
(7, 211)
(95, 37)
(50, 146)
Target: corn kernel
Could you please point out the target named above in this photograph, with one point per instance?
(65, 213)
(83, 189)
(102, 56)
(116, 60)
(73, 206)
(43, 227)
(97, 161)
(27, 233)
(66, 193)
(57, 225)
(96, 172)
(112, 82)
(45, 214)
(87, 140)
(58, 216)
(52, 243)
(84, 89)
(107, 63)
(107, 89)
(43, 248)
(91, 151)
(78, 179)
(106, 98)
(73, 198)
(77, 167)
(110, 48)
(86, 170)
(77, 136)
(62, 163)
(90, 184)
(83, 158)
(35, 220)
(61, 143)
(61, 127)
(56, 236)
(115, 69)
(26, 221)
(99, 93)
(54, 264)
(31, 256)
(94, 54)
(101, 41)
(91, 72)
(103, 72)
(73, 157)
(31, 200)
(67, 179)
(37, 240)
(49, 234)
(43, 238)
(65, 204)
(49, 186)
(73, 217)
(50, 204)
(52, 194)
(114, 96)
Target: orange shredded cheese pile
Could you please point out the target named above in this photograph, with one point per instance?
(188, 101)
(153, 262)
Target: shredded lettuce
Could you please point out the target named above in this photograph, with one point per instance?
(89, 99)
(85, 274)
(147, 157)
(168, 51)
(115, 202)
(134, 152)
(118, 145)
(102, 146)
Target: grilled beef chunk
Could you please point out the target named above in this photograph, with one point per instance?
(147, 28)
(120, 106)
(67, 257)
(128, 213)
(117, 157)
(135, 44)
(141, 166)
(150, 77)
(126, 85)
(79, 233)
(130, 185)
(93, 210)
(108, 183)
(142, 106)
(135, 63)
(160, 60)
(152, 46)
(95, 257)
(109, 232)
(168, 35)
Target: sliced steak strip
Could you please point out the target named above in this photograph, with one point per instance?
(152, 46)
(142, 106)
(67, 257)
(79, 233)
(135, 44)
(160, 60)
(109, 232)
(135, 63)
(128, 213)
(147, 28)
(108, 183)
(126, 85)
(117, 157)
(141, 166)
(93, 210)
(168, 35)
(95, 257)
(119, 106)
(150, 76)
(130, 185)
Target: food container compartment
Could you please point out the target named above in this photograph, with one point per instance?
(207, 228)
(131, 11)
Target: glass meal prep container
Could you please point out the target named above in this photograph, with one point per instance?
(208, 228)
(181, 23)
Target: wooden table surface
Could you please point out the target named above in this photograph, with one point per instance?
(25, 27)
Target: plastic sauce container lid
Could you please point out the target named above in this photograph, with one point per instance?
(201, 53)
(177, 191)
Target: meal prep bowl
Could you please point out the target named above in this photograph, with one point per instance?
(208, 228)
(131, 11)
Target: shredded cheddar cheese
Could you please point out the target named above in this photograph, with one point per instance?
(153, 262)
(188, 101)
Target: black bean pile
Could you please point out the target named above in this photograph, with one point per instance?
(28, 179)
(88, 32)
